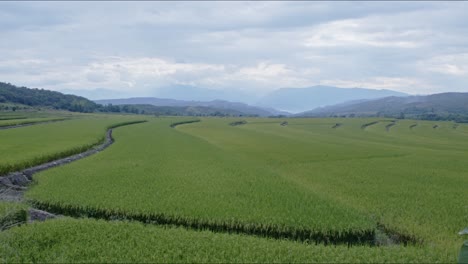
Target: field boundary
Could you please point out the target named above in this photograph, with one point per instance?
(14, 183)
(326, 237)
(31, 123)
(398, 237)
(369, 124)
(337, 125)
(392, 123)
(173, 125)
(238, 123)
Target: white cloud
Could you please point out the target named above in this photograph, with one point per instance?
(362, 32)
(144, 73)
(451, 64)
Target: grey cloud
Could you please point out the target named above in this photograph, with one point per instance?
(341, 42)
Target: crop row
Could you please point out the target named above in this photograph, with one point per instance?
(7, 168)
(303, 178)
(28, 121)
(14, 138)
(411, 183)
(349, 237)
(183, 122)
(175, 178)
(238, 123)
(11, 214)
(86, 240)
(12, 118)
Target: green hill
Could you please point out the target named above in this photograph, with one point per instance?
(19, 98)
(44, 98)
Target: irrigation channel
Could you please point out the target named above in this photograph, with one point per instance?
(14, 184)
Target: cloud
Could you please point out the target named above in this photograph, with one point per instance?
(451, 64)
(253, 46)
(363, 32)
(402, 84)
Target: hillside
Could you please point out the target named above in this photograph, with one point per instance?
(175, 110)
(444, 106)
(219, 105)
(43, 98)
(303, 99)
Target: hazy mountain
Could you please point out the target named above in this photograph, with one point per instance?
(437, 106)
(180, 110)
(177, 92)
(302, 99)
(217, 104)
(95, 94)
(194, 93)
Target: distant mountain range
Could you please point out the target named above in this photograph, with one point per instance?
(331, 101)
(292, 100)
(25, 98)
(303, 99)
(287, 99)
(443, 106)
(220, 105)
(179, 110)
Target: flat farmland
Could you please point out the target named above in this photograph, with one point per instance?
(374, 184)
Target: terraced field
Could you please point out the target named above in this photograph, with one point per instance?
(305, 190)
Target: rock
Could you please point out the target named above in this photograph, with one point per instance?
(39, 215)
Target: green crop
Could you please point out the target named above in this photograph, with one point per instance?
(11, 214)
(191, 183)
(28, 146)
(358, 182)
(25, 121)
(85, 240)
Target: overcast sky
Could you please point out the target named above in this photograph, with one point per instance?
(255, 47)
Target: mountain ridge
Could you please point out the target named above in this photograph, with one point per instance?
(219, 104)
(303, 99)
(441, 106)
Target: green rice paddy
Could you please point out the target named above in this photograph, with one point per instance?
(268, 190)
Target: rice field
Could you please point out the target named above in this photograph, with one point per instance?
(277, 190)
(98, 241)
(32, 145)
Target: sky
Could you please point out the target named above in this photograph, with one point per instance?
(112, 49)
